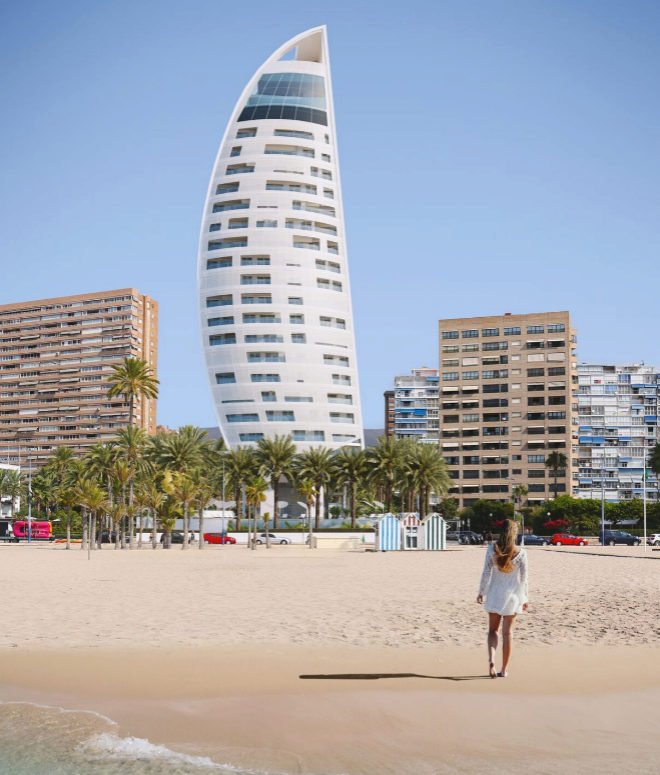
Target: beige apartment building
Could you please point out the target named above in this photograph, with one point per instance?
(506, 402)
(55, 359)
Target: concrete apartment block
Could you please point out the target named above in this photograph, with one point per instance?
(506, 402)
(55, 358)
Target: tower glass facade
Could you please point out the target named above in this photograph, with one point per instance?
(274, 292)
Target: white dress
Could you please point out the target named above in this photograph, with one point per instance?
(504, 593)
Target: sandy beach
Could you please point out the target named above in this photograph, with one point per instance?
(319, 661)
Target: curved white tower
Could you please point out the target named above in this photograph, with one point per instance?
(274, 295)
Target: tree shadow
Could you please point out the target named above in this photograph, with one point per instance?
(377, 676)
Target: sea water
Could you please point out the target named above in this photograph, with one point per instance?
(41, 740)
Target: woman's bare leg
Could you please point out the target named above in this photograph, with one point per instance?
(506, 642)
(493, 626)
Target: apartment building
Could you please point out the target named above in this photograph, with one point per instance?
(506, 384)
(618, 427)
(388, 397)
(55, 359)
(411, 409)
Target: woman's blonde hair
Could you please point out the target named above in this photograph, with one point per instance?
(505, 547)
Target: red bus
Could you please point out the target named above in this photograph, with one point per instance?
(40, 531)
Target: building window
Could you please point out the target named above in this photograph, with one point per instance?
(242, 418)
(217, 339)
(293, 133)
(261, 317)
(267, 224)
(298, 338)
(450, 334)
(535, 329)
(556, 371)
(226, 188)
(296, 319)
(280, 416)
(490, 332)
(235, 151)
(239, 169)
(536, 458)
(335, 360)
(229, 242)
(255, 279)
(234, 204)
(247, 437)
(219, 263)
(265, 378)
(247, 132)
(470, 333)
(298, 400)
(263, 338)
(450, 376)
(512, 331)
(469, 375)
(341, 379)
(556, 328)
(268, 395)
(308, 435)
(295, 300)
(256, 298)
(266, 357)
(227, 321)
(342, 417)
(255, 260)
(225, 378)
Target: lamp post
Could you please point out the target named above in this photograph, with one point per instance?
(602, 499)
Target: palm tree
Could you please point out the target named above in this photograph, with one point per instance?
(154, 498)
(12, 489)
(317, 465)
(384, 461)
(352, 467)
(181, 451)
(183, 491)
(240, 466)
(203, 495)
(132, 379)
(275, 458)
(91, 498)
(122, 476)
(255, 495)
(307, 489)
(131, 445)
(428, 474)
(556, 462)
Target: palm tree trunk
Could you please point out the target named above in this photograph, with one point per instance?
(83, 543)
(131, 523)
(317, 510)
(185, 526)
(154, 530)
(68, 530)
(276, 512)
(237, 508)
(353, 499)
(200, 520)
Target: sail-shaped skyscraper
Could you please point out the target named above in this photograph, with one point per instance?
(274, 293)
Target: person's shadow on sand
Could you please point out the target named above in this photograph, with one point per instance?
(376, 676)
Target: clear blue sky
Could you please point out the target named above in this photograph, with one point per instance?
(496, 156)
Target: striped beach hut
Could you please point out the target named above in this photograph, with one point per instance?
(411, 524)
(388, 534)
(434, 533)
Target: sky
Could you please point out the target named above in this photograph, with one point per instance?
(496, 156)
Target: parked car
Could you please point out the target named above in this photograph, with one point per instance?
(273, 539)
(653, 539)
(533, 540)
(177, 537)
(218, 538)
(568, 539)
(612, 537)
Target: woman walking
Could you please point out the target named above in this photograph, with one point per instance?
(503, 591)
